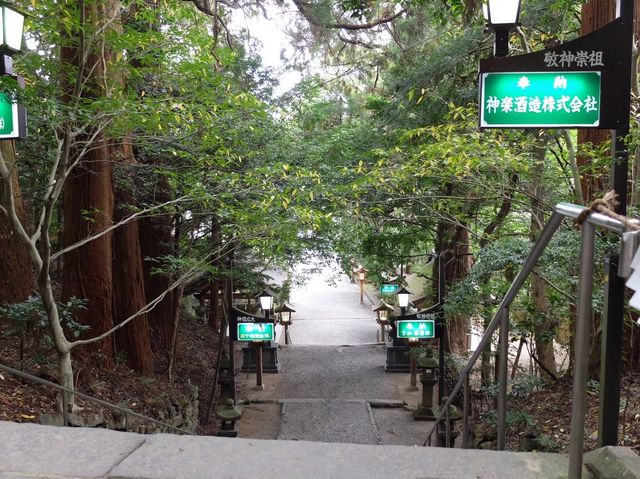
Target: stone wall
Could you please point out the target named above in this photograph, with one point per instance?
(181, 412)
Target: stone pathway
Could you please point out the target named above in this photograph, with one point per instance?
(328, 312)
(330, 375)
(329, 421)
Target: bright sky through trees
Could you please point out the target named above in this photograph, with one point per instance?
(270, 33)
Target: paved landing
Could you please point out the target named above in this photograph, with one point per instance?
(328, 421)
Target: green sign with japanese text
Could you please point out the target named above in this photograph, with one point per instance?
(540, 99)
(255, 332)
(388, 288)
(416, 329)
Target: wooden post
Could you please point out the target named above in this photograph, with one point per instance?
(258, 355)
(413, 370)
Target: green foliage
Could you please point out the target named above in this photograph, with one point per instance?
(524, 384)
(29, 318)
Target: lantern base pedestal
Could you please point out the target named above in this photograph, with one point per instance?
(424, 414)
(397, 359)
(270, 363)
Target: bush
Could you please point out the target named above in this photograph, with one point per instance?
(29, 318)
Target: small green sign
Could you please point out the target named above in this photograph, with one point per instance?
(388, 288)
(416, 329)
(8, 117)
(540, 99)
(255, 332)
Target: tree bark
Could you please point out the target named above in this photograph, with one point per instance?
(543, 325)
(88, 194)
(155, 243)
(453, 244)
(595, 14)
(128, 276)
(17, 280)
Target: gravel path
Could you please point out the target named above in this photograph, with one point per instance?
(335, 372)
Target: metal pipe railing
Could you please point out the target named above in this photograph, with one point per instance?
(502, 380)
(538, 248)
(465, 411)
(501, 320)
(65, 407)
(581, 362)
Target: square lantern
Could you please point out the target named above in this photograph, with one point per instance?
(12, 22)
(285, 314)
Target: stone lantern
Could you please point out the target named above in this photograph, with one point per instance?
(429, 363)
(228, 413)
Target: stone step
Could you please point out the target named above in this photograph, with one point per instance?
(33, 451)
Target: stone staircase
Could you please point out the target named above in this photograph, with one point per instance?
(38, 452)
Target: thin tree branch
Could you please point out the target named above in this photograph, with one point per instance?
(302, 8)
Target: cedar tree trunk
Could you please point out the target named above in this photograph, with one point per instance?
(16, 277)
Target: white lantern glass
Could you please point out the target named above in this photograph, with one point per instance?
(361, 275)
(383, 315)
(12, 25)
(403, 299)
(285, 317)
(503, 12)
(266, 302)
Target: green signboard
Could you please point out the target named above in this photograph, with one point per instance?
(416, 329)
(388, 288)
(540, 99)
(255, 332)
(8, 117)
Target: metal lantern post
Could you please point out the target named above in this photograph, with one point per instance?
(502, 17)
(266, 303)
(382, 318)
(413, 367)
(402, 296)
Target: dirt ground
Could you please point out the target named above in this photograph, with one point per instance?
(24, 401)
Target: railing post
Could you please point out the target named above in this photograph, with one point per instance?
(447, 425)
(65, 408)
(580, 369)
(502, 380)
(465, 413)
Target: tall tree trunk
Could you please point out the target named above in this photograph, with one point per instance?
(88, 195)
(128, 274)
(595, 14)
(453, 244)
(17, 281)
(543, 324)
(87, 270)
(218, 262)
(156, 242)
